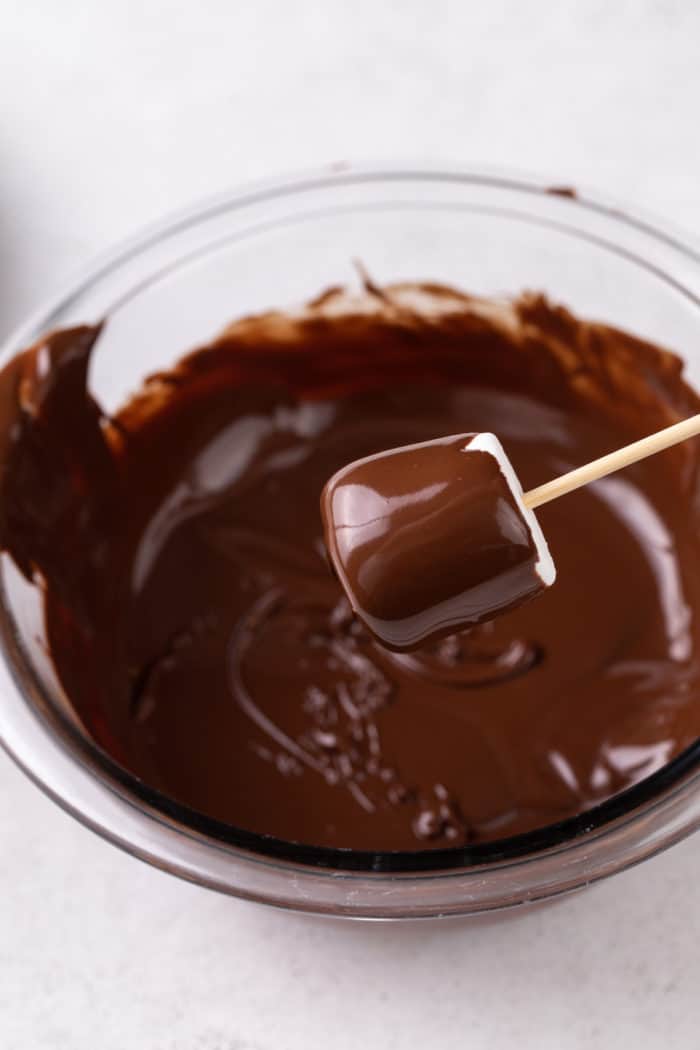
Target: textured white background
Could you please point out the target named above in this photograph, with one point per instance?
(113, 112)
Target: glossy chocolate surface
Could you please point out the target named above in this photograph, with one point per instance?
(204, 643)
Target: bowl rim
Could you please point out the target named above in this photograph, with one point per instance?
(619, 810)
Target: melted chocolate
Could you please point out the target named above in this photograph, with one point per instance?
(428, 540)
(203, 642)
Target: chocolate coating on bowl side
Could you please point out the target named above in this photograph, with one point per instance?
(428, 540)
(204, 643)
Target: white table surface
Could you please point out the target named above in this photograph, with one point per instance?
(114, 112)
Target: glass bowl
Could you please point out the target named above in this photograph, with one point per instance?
(278, 244)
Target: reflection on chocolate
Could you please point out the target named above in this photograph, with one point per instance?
(432, 538)
(202, 640)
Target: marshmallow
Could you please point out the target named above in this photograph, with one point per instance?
(431, 539)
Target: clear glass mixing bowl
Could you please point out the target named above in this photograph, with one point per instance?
(275, 245)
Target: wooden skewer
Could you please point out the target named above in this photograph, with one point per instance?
(623, 457)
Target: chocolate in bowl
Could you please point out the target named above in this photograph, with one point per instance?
(239, 848)
(203, 643)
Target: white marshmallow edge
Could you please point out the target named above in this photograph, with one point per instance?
(544, 566)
